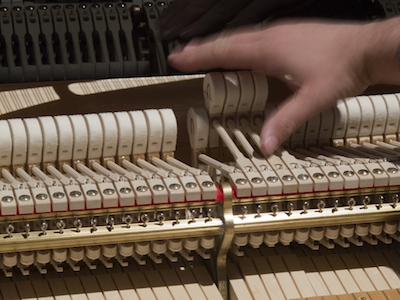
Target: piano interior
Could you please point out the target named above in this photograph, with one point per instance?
(155, 187)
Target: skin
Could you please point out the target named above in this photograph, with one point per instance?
(320, 61)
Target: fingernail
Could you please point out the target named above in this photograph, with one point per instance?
(270, 144)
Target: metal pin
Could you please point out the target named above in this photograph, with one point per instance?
(193, 215)
(9, 230)
(366, 201)
(395, 200)
(351, 203)
(209, 215)
(258, 215)
(275, 209)
(93, 223)
(78, 225)
(290, 207)
(110, 223)
(144, 218)
(127, 220)
(44, 227)
(177, 216)
(161, 218)
(244, 211)
(27, 230)
(61, 226)
(380, 201)
(305, 207)
(321, 205)
(335, 205)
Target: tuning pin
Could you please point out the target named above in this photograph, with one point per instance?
(351, 202)
(78, 225)
(27, 230)
(209, 215)
(305, 207)
(145, 219)
(259, 208)
(161, 218)
(244, 211)
(395, 200)
(44, 227)
(321, 205)
(110, 223)
(290, 207)
(335, 205)
(366, 201)
(275, 209)
(61, 226)
(177, 216)
(380, 201)
(93, 223)
(10, 230)
(127, 220)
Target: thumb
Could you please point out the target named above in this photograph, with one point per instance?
(294, 112)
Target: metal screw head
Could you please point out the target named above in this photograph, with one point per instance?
(287, 177)
(92, 192)
(377, 171)
(158, 187)
(393, 170)
(303, 177)
(207, 183)
(363, 172)
(318, 175)
(125, 190)
(241, 181)
(256, 180)
(7, 199)
(272, 179)
(108, 191)
(333, 174)
(24, 198)
(174, 186)
(348, 173)
(75, 194)
(41, 196)
(58, 195)
(148, 4)
(142, 188)
(191, 185)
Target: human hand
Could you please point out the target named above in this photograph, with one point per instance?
(322, 62)
(186, 19)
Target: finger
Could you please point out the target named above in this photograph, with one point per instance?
(214, 19)
(307, 102)
(186, 16)
(233, 51)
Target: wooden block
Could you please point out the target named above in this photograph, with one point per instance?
(191, 285)
(388, 263)
(92, 288)
(372, 271)
(267, 276)
(252, 278)
(330, 297)
(9, 291)
(141, 285)
(124, 286)
(343, 273)
(157, 284)
(283, 276)
(75, 288)
(392, 294)
(328, 275)
(357, 272)
(362, 295)
(237, 286)
(108, 287)
(314, 277)
(299, 276)
(25, 290)
(377, 295)
(174, 285)
(59, 289)
(42, 289)
(315, 298)
(346, 297)
(206, 283)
